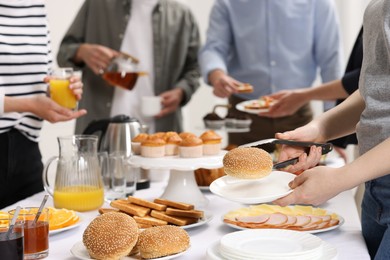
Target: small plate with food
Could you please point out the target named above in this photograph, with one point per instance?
(255, 106)
(250, 177)
(298, 217)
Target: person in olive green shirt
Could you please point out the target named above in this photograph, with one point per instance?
(163, 34)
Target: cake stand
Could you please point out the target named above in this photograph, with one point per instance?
(182, 186)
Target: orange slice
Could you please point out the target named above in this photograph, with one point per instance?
(62, 218)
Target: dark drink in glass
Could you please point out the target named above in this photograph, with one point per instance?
(11, 247)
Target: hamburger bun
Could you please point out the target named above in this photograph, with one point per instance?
(162, 241)
(110, 236)
(247, 163)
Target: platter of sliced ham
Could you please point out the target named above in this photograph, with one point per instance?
(299, 218)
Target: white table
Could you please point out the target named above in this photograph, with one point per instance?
(347, 239)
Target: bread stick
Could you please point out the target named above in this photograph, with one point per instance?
(146, 203)
(174, 204)
(131, 209)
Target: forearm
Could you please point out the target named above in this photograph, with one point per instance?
(368, 166)
(342, 119)
(327, 91)
(19, 105)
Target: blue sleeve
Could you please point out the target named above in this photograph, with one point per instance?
(327, 51)
(219, 39)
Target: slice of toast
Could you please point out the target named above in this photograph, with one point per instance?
(179, 221)
(130, 209)
(192, 213)
(174, 204)
(105, 210)
(148, 220)
(146, 203)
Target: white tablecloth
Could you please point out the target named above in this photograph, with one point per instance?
(347, 239)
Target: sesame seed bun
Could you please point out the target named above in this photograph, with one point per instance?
(162, 241)
(110, 236)
(247, 163)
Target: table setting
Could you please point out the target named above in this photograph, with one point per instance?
(232, 220)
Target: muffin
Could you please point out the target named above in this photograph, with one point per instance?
(153, 148)
(172, 140)
(243, 121)
(213, 121)
(136, 143)
(160, 135)
(184, 135)
(230, 120)
(191, 147)
(211, 142)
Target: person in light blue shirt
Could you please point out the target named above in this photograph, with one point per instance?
(273, 45)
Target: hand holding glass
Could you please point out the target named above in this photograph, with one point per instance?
(59, 88)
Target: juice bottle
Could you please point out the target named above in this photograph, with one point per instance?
(79, 198)
(61, 94)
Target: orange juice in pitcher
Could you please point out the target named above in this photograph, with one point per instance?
(79, 198)
(78, 181)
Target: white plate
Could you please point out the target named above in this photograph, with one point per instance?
(341, 222)
(207, 218)
(271, 242)
(329, 252)
(255, 191)
(79, 251)
(56, 231)
(241, 107)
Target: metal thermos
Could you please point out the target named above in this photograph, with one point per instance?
(115, 136)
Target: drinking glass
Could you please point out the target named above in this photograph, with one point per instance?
(131, 174)
(36, 233)
(11, 245)
(59, 88)
(113, 173)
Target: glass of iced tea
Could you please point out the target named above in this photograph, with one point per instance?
(122, 71)
(36, 232)
(59, 88)
(11, 244)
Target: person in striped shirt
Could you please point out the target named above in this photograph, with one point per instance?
(25, 62)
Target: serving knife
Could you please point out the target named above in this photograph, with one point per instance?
(326, 148)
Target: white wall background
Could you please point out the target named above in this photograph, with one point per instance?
(61, 14)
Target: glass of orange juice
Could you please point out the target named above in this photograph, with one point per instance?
(59, 88)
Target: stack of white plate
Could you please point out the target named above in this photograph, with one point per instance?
(271, 244)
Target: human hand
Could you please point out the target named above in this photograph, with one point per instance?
(170, 101)
(97, 57)
(314, 186)
(76, 85)
(224, 85)
(307, 133)
(49, 110)
(286, 103)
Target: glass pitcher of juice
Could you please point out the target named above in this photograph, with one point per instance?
(78, 183)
